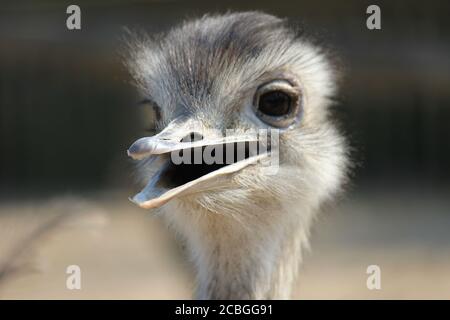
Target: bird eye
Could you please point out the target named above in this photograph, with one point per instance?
(154, 108)
(277, 103)
(151, 113)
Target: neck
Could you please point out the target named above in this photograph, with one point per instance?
(243, 259)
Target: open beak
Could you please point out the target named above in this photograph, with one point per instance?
(175, 178)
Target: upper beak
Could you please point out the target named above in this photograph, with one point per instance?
(168, 140)
(159, 190)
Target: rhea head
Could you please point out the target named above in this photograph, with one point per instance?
(239, 73)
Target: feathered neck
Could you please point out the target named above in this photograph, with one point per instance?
(234, 259)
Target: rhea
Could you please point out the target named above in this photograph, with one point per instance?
(245, 226)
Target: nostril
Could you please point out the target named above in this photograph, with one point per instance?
(192, 137)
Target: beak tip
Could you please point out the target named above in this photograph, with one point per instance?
(131, 154)
(141, 149)
(135, 153)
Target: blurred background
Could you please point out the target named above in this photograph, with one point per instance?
(68, 113)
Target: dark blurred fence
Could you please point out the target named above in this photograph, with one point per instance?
(67, 110)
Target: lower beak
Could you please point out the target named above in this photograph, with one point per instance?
(174, 180)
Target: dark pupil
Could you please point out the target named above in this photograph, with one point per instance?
(275, 103)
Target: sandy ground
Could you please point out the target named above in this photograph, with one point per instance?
(126, 253)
